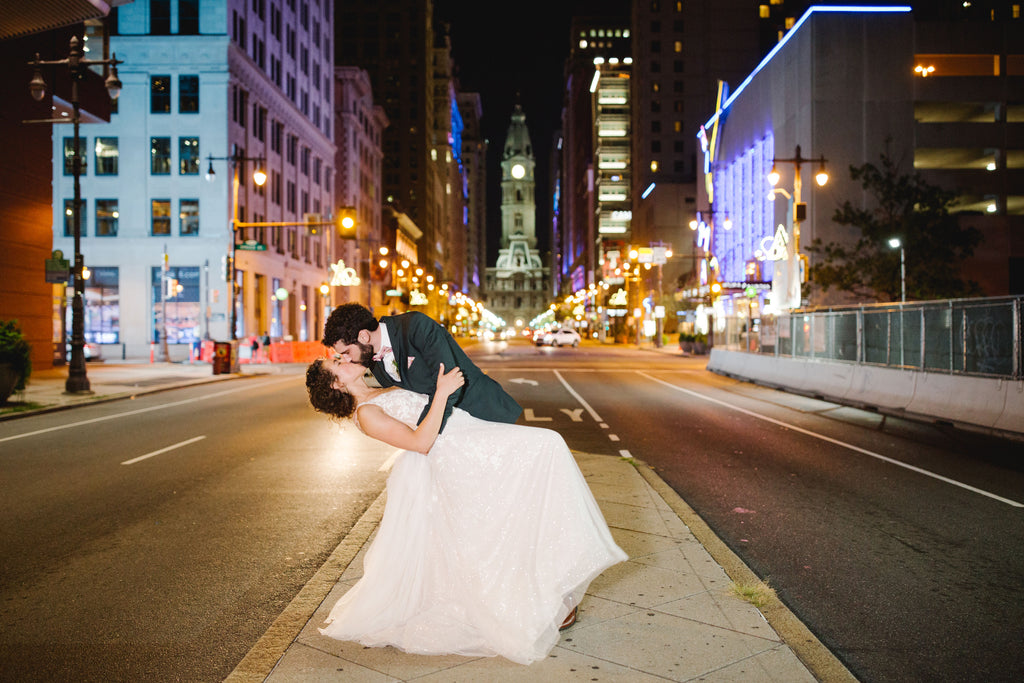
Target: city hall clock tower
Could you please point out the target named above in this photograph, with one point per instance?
(517, 287)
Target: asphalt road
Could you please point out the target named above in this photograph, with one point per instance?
(157, 539)
(900, 545)
(171, 567)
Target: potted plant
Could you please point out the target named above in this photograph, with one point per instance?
(700, 343)
(15, 359)
(685, 342)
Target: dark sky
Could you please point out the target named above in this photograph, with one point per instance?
(504, 49)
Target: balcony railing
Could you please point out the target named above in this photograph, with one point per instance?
(980, 337)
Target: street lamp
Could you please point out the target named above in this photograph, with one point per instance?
(77, 381)
(799, 209)
(896, 243)
(259, 177)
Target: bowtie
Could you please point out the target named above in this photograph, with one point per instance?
(383, 352)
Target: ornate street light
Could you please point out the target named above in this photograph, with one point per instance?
(77, 381)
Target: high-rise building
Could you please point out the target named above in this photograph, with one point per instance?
(474, 162)
(681, 52)
(594, 125)
(222, 89)
(367, 246)
(394, 43)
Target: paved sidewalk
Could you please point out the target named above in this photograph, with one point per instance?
(666, 614)
(110, 380)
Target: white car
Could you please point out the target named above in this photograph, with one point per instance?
(564, 338)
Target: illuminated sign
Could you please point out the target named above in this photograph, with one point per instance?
(774, 248)
(618, 298)
(343, 276)
(417, 298)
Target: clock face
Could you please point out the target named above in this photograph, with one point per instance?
(518, 171)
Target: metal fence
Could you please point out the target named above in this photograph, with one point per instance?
(963, 336)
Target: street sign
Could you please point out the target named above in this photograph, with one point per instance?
(57, 268)
(251, 245)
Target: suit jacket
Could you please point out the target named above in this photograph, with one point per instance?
(420, 345)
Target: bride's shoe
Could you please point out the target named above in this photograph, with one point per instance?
(570, 619)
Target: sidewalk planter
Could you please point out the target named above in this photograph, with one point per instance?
(15, 360)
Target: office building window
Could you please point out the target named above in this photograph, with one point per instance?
(188, 216)
(188, 94)
(188, 156)
(106, 156)
(69, 155)
(160, 94)
(106, 218)
(161, 217)
(160, 17)
(69, 218)
(188, 17)
(160, 156)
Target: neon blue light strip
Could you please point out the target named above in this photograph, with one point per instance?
(650, 189)
(790, 34)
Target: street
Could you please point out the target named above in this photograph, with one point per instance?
(158, 538)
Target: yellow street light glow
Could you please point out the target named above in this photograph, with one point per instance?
(821, 177)
(383, 251)
(348, 222)
(774, 176)
(259, 176)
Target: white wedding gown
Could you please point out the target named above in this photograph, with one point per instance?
(485, 545)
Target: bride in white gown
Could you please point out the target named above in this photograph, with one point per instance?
(488, 541)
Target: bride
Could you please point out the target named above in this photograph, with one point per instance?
(490, 535)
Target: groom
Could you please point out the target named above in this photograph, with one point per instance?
(406, 351)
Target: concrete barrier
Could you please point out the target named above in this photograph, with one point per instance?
(963, 400)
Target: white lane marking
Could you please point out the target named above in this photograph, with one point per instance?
(586, 406)
(387, 464)
(142, 410)
(858, 449)
(163, 450)
(613, 437)
(521, 380)
(530, 417)
(625, 454)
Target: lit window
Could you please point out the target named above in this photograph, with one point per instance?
(161, 217)
(789, 22)
(764, 11)
(654, 166)
(188, 217)
(106, 156)
(106, 217)
(677, 46)
(160, 95)
(160, 156)
(188, 156)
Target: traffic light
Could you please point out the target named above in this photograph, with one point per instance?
(172, 287)
(313, 222)
(346, 222)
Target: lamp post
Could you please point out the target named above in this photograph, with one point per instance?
(259, 177)
(896, 243)
(797, 269)
(77, 381)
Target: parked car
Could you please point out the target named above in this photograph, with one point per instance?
(90, 350)
(541, 338)
(565, 338)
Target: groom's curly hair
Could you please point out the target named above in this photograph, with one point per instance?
(345, 322)
(322, 394)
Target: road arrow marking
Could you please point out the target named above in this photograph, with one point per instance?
(528, 414)
(574, 415)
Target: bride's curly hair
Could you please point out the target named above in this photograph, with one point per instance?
(322, 394)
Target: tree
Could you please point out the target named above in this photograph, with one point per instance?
(916, 212)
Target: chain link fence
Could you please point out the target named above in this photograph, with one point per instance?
(962, 336)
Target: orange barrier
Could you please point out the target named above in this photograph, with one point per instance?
(297, 352)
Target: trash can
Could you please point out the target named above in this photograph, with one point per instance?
(223, 357)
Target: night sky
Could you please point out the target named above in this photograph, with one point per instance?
(501, 50)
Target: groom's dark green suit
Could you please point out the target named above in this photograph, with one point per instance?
(420, 345)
